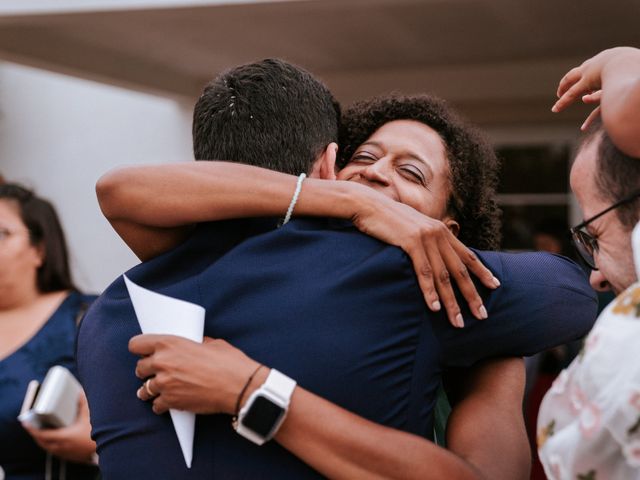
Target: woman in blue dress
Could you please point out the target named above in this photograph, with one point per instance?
(39, 311)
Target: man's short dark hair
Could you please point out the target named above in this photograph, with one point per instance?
(473, 166)
(270, 114)
(617, 175)
(45, 231)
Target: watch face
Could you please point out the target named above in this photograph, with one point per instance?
(262, 416)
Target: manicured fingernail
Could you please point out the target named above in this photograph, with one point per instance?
(436, 306)
(459, 321)
(483, 313)
(554, 109)
(139, 393)
(496, 282)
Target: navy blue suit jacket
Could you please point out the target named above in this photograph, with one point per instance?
(334, 309)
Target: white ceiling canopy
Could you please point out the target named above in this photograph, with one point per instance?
(499, 60)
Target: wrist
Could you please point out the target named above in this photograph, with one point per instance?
(247, 383)
(354, 199)
(627, 59)
(258, 379)
(363, 201)
(329, 198)
(266, 408)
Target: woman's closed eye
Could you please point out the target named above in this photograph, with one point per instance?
(413, 173)
(363, 158)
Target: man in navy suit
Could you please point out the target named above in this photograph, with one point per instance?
(338, 311)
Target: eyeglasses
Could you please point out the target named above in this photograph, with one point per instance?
(585, 243)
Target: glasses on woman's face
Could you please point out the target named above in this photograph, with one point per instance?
(585, 243)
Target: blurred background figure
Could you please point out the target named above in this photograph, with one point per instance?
(39, 311)
(552, 235)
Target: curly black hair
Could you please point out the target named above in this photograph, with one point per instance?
(473, 165)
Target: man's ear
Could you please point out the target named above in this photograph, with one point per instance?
(325, 166)
(452, 225)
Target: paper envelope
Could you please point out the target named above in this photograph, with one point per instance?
(164, 315)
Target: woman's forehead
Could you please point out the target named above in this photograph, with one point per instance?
(414, 138)
(409, 131)
(9, 210)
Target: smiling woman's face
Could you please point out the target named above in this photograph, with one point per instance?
(406, 161)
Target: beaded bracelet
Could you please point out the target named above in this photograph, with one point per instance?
(294, 199)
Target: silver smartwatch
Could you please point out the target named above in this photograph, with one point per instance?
(266, 408)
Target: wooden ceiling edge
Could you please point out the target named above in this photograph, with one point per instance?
(512, 64)
(25, 15)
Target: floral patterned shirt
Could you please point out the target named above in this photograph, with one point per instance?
(589, 421)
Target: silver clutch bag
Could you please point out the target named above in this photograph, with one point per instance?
(54, 403)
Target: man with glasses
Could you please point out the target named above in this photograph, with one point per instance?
(589, 422)
(586, 243)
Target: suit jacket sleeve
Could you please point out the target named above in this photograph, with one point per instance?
(545, 300)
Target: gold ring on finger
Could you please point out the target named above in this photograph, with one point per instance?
(147, 388)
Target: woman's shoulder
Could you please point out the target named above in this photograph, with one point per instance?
(73, 306)
(78, 298)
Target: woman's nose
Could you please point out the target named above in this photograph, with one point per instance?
(377, 172)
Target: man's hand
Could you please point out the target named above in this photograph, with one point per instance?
(185, 375)
(438, 256)
(71, 443)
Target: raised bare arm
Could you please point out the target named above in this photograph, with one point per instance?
(611, 79)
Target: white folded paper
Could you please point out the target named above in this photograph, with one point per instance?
(164, 315)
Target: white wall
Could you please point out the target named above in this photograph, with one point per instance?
(59, 134)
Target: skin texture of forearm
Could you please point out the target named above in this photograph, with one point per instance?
(177, 194)
(621, 101)
(486, 434)
(489, 413)
(340, 444)
(156, 202)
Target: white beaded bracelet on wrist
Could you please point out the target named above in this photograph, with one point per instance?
(294, 200)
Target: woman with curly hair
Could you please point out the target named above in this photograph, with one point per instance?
(472, 167)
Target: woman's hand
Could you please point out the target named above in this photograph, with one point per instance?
(437, 255)
(585, 81)
(72, 443)
(185, 375)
